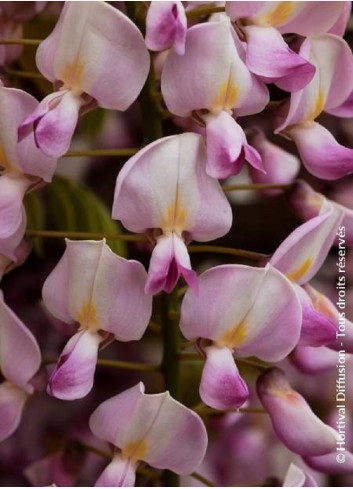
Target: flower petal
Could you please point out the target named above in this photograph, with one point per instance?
(221, 385)
(292, 418)
(166, 26)
(280, 166)
(321, 154)
(169, 260)
(12, 401)
(314, 360)
(93, 48)
(269, 57)
(119, 473)
(153, 428)
(19, 354)
(303, 252)
(317, 328)
(296, 477)
(236, 307)
(73, 375)
(90, 284)
(328, 464)
(165, 186)
(210, 75)
(227, 147)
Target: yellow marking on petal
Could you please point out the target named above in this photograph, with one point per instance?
(135, 450)
(234, 337)
(72, 76)
(5, 164)
(175, 218)
(300, 271)
(87, 316)
(226, 97)
(318, 106)
(278, 15)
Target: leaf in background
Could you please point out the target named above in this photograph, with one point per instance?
(73, 207)
(35, 211)
(92, 122)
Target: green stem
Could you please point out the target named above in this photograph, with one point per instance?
(202, 11)
(102, 152)
(170, 362)
(24, 74)
(251, 255)
(34, 233)
(23, 42)
(103, 362)
(257, 186)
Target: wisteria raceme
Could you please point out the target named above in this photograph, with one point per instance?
(230, 301)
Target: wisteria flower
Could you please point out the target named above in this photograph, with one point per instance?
(164, 189)
(96, 55)
(153, 428)
(243, 310)
(20, 360)
(211, 80)
(103, 294)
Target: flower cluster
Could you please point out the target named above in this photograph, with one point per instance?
(204, 68)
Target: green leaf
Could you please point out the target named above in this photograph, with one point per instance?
(73, 207)
(35, 211)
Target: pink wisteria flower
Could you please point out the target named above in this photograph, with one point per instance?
(242, 310)
(152, 428)
(103, 294)
(322, 155)
(20, 360)
(166, 26)
(294, 422)
(95, 55)
(296, 477)
(210, 81)
(164, 190)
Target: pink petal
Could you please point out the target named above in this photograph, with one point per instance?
(221, 385)
(165, 186)
(314, 360)
(169, 260)
(280, 166)
(73, 375)
(296, 477)
(227, 147)
(91, 283)
(119, 473)
(303, 252)
(19, 354)
(245, 309)
(238, 10)
(328, 464)
(54, 122)
(166, 26)
(210, 75)
(340, 25)
(12, 401)
(317, 328)
(269, 57)
(344, 110)
(153, 428)
(96, 49)
(321, 154)
(12, 214)
(292, 418)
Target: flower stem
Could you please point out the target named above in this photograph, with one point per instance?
(102, 152)
(203, 10)
(257, 186)
(24, 74)
(103, 362)
(251, 255)
(34, 233)
(23, 42)
(170, 362)
(203, 479)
